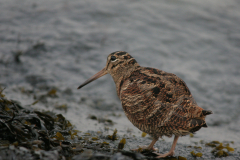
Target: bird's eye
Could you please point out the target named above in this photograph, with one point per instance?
(113, 58)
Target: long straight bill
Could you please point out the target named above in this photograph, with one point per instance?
(96, 76)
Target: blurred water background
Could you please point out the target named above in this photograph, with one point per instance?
(55, 45)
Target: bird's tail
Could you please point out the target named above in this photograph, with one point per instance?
(206, 112)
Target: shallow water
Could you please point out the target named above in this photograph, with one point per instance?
(62, 43)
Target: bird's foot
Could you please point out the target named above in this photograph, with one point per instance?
(170, 153)
(141, 148)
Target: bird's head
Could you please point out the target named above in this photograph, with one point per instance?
(118, 64)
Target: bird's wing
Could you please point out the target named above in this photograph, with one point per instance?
(153, 96)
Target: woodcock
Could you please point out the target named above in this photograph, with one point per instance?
(156, 102)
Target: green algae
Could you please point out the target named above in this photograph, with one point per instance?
(87, 134)
(140, 149)
(230, 149)
(106, 143)
(109, 121)
(91, 142)
(197, 147)
(51, 132)
(35, 102)
(95, 138)
(201, 141)
(101, 120)
(93, 117)
(191, 135)
(122, 143)
(59, 136)
(216, 142)
(220, 148)
(181, 158)
(221, 153)
(196, 154)
(73, 134)
(52, 92)
(27, 123)
(62, 107)
(144, 134)
(1, 90)
(210, 145)
(113, 137)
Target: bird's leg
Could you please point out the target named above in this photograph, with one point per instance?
(171, 152)
(150, 147)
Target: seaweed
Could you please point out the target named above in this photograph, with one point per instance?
(197, 147)
(122, 143)
(30, 134)
(113, 137)
(62, 107)
(191, 135)
(52, 93)
(196, 154)
(39, 46)
(144, 134)
(181, 158)
(31, 129)
(221, 153)
(101, 120)
(220, 149)
(93, 117)
(95, 138)
(1, 90)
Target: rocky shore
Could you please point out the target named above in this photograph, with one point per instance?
(27, 133)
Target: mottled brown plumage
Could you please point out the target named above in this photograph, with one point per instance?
(156, 102)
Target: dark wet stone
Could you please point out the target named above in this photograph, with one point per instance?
(134, 155)
(87, 154)
(120, 156)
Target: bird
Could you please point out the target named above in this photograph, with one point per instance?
(156, 102)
